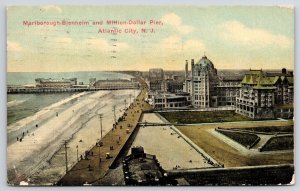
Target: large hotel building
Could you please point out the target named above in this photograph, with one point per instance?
(257, 94)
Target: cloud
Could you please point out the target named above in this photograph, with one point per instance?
(171, 19)
(14, 46)
(237, 32)
(102, 44)
(287, 6)
(176, 44)
(194, 44)
(64, 40)
(170, 42)
(51, 8)
(175, 21)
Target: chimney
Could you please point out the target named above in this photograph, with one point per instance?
(192, 67)
(186, 69)
(283, 71)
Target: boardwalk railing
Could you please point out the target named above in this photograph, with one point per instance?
(159, 124)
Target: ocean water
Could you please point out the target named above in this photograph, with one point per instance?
(38, 158)
(20, 106)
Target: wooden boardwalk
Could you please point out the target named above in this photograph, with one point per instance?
(87, 171)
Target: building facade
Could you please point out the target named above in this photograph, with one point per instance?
(55, 83)
(260, 95)
(116, 84)
(201, 83)
(256, 94)
(171, 101)
(228, 89)
(156, 80)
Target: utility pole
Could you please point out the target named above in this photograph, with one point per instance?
(100, 118)
(66, 155)
(114, 110)
(125, 103)
(133, 94)
(100, 142)
(77, 153)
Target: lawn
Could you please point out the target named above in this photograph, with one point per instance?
(273, 129)
(224, 153)
(188, 117)
(286, 106)
(245, 139)
(279, 143)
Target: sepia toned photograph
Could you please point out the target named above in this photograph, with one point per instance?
(150, 95)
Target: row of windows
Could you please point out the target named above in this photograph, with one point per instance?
(198, 97)
(242, 112)
(200, 103)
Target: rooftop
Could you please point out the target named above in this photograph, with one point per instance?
(262, 81)
(205, 63)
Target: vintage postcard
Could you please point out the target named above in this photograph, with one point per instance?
(150, 95)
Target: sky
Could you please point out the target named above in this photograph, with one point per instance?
(232, 37)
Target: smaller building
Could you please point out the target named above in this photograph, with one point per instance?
(92, 82)
(141, 169)
(174, 86)
(157, 80)
(116, 84)
(55, 83)
(157, 85)
(228, 89)
(171, 101)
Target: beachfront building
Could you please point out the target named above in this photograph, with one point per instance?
(55, 83)
(201, 83)
(261, 95)
(171, 101)
(116, 84)
(174, 83)
(174, 86)
(156, 80)
(207, 88)
(257, 94)
(92, 82)
(228, 89)
(284, 92)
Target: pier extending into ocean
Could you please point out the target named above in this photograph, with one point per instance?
(27, 90)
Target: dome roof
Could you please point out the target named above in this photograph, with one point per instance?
(205, 63)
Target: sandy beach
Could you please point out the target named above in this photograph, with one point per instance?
(40, 156)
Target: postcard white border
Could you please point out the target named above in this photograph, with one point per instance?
(4, 3)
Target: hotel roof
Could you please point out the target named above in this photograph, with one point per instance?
(260, 81)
